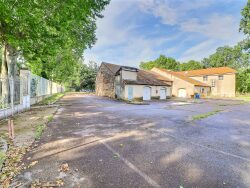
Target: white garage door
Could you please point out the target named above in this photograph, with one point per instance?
(182, 93)
(163, 93)
(146, 93)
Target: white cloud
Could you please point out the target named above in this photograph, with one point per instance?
(117, 43)
(220, 27)
(120, 42)
(160, 9)
(199, 51)
(172, 12)
(109, 32)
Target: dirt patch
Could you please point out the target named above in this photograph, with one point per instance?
(25, 124)
(27, 128)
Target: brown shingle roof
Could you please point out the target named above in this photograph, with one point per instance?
(208, 71)
(185, 78)
(143, 77)
(149, 78)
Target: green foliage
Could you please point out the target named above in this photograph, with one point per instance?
(245, 21)
(233, 57)
(202, 116)
(245, 97)
(2, 157)
(59, 68)
(88, 75)
(52, 99)
(39, 130)
(161, 62)
(50, 35)
(40, 28)
(243, 81)
(191, 65)
(50, 118)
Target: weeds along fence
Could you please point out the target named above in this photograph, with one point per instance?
(19, 93)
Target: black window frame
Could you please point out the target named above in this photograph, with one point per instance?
(220, 77)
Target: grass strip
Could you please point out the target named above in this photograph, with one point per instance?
(52, 99)
(39, 130)
(202, 116)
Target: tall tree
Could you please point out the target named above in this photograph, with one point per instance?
(245, 26)
(161, 62)
(233, 57)
(39, 29)
(191, 65)
(87, 75)
(245, 21)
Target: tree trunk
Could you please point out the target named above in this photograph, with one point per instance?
(8, 70)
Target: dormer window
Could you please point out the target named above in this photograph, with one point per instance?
(204, 78)
(220, 77)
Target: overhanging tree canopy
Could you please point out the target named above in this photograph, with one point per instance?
(41, 29)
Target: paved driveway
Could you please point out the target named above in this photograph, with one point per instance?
(108, 143)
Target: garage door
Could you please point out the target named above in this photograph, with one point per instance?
(146, 93)
(163, 93)
(182, 93)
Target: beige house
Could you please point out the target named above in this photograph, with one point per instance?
(212, 81)
(131, 83)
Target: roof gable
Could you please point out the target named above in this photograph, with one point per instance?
(111, 67)
(183, 77)
(143, 77)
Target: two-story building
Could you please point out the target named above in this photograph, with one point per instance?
(130, 83)
(207, 82)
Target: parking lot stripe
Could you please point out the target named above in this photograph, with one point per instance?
(131, 166)
(202, 146)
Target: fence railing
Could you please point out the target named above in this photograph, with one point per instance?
(40, 86)
(17, 94)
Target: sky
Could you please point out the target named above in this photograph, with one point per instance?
(134, 31)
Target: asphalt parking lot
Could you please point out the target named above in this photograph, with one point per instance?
(109, 143)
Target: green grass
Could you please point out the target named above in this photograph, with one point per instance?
(202, 116)
(39, 130)
(233, 104)
(50, 118)
(245, 97)
(52, 99)
(2, 157)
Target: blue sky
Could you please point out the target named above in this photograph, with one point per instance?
(140, 30)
